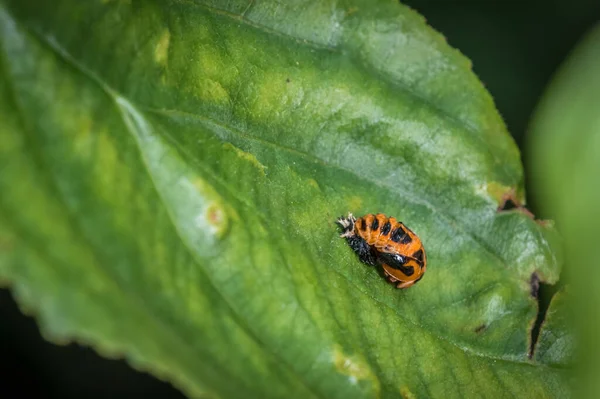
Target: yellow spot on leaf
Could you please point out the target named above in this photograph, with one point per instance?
(406, 393)
(313, 183)
(211, 64)
(246, 156)
(355, 203)
(495, 190)
(217, 217)
(277, 94)
(211, 77)
(211, 90)
(213, 218)
(161, 51)
(356, 369)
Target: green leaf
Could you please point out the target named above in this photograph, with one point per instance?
(564, 145)
(171, 175)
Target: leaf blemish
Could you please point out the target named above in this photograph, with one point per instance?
(247, 156)
(543, 293)
(406, 393)
(509, 201)
(480, 328)
(355, 369)
(534, 283)
(355, 202)
(215, 215)
(212, 217)
(213, 220)
(313, 183)
(496, 308)
(499, 194)
(161, 51)
(351, 11)
(545, 223)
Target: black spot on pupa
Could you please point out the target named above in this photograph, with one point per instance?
(398, 234)
(397, 262)
(375, 224)
(418, 255)
(386, 228)
(408, 270)
(363, 225)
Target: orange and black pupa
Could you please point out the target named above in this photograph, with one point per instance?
(378, 239)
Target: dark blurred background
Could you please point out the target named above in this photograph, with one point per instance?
(515, 46)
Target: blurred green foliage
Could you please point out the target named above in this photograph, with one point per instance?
(564, 146)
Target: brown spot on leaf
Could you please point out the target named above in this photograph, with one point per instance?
(351, 11)
(480, 328)
(214, 215)
(406, 393)
(534, 283)
(509, 201)
(545, 223)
